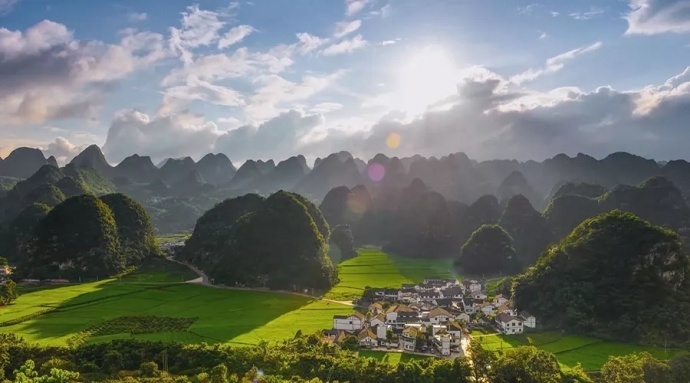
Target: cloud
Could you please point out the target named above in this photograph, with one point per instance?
(387, 42)
(47, 74)
(650, 17)
(543, 35)
(554, 64)
(345, 46)
(326, 107)
(555, 14)
(308, 43)
(199, 28)
(528, 9)
(6, 6)
(344, 28)
(354, 6)
(275, 138)
(174, 136)
(275, 95)
(588, 15)
(136, 17)
(235, 35)
(176, 97)
(384, 12)
(63, 150)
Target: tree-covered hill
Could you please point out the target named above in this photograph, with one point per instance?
(135, 231)
(615, 276)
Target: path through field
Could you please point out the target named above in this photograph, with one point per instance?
(204, 280)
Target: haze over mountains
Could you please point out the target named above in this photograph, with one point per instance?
(455, 176)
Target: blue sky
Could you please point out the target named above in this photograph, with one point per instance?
(270, 79)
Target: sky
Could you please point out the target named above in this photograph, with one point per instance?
(261, 79)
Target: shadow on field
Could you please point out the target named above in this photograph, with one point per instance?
(221, 314)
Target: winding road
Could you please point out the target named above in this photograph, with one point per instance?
(204, 280)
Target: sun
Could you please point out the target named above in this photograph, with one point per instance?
(425, 78)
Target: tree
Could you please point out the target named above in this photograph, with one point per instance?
(135, 231)
(565, 212)
(219, 374)
(488, 251)
(27, 374)
(341, 244)
(8, 292)
(295, 255)
(529, 230)
(77, 237)
(526, 364)
(149, 370)
(112, 362)
(623, 369)
(633, 261)
(20, 233)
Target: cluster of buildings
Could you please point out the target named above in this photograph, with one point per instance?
(5, 272)
(428, 316)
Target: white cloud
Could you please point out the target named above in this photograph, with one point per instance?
(554, 64)
(543, 35)
(173, 136)
(275, 94)
(528, 9)
(177, 97)
(387, 42)
(588, 15)
(326, 107)
(555, 14)
(345, 46)
(199, 28)
(47, 74)
(354, 6)
(63, 150)
(276, 138)
(384, 12)
(308, 43)
(235, 35)
(214, 67)
(650, 17)
(136, 17)
(344, 28)
(6, 6)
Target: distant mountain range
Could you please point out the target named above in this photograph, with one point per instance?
(455, 176)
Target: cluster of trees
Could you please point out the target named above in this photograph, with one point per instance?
(280, 242)
(83, 236)
(615, 276)
(308, 359)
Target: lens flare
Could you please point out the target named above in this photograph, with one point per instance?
(393, 140)
(376, 172)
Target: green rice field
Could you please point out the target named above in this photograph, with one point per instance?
(375, 268)
(590, 353)
(223, 316)
(391, 357)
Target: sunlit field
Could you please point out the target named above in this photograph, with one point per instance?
(222, 316)
(375, 268)
(590, 353)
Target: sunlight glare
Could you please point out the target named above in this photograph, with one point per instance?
(428, 77)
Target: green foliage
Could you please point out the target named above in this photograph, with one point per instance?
(71, 187)
(315, 214)
(526, 364)
(214, 227)
(90, 179)
(565, 212)
(77, 237)
(277, 246)
(48, 195)
(484, 211)
(8, 292)
(341, 247)
(529, 230)
(27, 374)
(488, 251)
(19, 234)
(582, 189)
(135, 231)
(615, 276)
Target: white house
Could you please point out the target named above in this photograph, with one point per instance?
(500, 299)
(429, 296)
(487, 308)
(472, 285)
(382, 332)
(479, 295)
(530, 320)
(462, 317)
(378, 320)
(367, 338)
(442, 342)
(409, 338)
(510, 324)
(455, 330)
(376, 308)
(468, 305)
(390, 293)
(439, 315)
(452, 292)
(352, 322)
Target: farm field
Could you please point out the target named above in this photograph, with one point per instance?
(393, 358)
(570, 350)
(236, 317)
(375, 268)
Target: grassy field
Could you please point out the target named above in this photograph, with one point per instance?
(570, 350)
(391, 357)
(168, 238)
(377, 269)
(236, 317)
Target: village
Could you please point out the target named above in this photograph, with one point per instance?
(433, 317)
